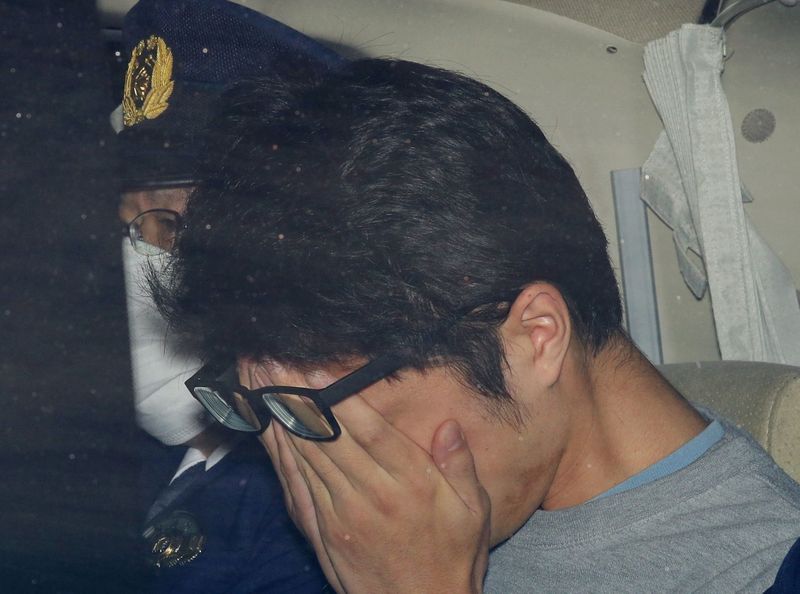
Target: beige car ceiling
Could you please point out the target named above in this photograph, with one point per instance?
(577, 70)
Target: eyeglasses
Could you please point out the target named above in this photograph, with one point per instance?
(306, 412)
(153, 231)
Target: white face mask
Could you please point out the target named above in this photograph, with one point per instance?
(164, 407)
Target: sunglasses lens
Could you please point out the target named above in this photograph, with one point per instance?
(230, 409)
(153, 231)
(299, 415)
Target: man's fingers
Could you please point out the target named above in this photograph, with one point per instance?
(309, 494)
(366, 435)
(452, 456)
(294, 489)
(267, 439)
(325, 479)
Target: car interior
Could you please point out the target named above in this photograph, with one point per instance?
(576, 68)
(586, 72)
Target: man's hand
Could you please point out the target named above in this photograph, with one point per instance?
(382, 514)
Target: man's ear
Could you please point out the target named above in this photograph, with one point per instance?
(538, 328)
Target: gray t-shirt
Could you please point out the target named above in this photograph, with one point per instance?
(722, 524)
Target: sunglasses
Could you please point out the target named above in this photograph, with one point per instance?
(304, 412)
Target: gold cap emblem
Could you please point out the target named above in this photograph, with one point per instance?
(148, 82)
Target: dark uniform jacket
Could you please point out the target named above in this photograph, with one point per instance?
(235, 514)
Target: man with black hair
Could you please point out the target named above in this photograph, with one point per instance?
(412, 285)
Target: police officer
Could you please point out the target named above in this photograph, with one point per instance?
(218, 523)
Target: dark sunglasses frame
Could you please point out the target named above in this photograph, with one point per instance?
(225, 379)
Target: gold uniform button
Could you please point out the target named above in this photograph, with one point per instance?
(174, 540)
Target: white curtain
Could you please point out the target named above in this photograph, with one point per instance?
(691, 181)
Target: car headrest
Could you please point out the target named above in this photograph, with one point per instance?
(762, 398)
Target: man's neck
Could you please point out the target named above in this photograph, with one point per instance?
(627, 417)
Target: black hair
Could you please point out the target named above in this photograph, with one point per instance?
(345, 217)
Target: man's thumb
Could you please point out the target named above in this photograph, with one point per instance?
(454, 460)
